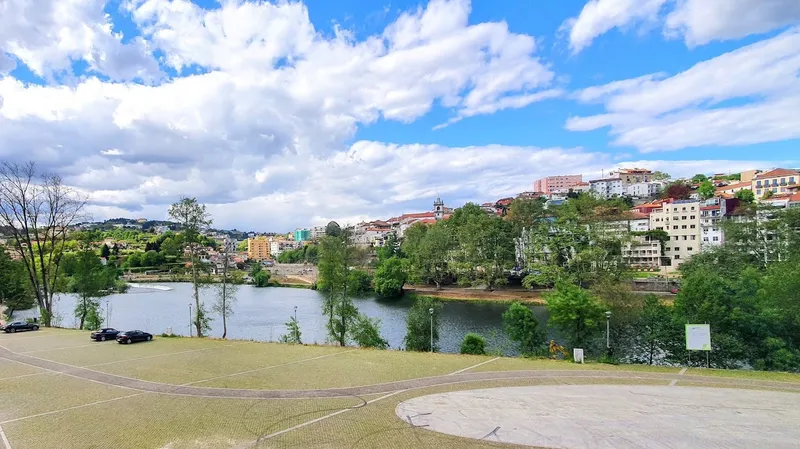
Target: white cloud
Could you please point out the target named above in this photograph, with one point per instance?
(697, 22)
(747, 96)
(48, 35)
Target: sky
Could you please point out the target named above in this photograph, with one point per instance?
(288, 114)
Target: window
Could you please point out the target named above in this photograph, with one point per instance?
(683, 226)
(705, 239)
(675, 237)
(791, 180)
(667, 249)
(684, 209)
(676, 209)
(774, 190)
(677, 256)
(692, 208)
(693, 217)
(689, 248)
(716, 239)
(675, 227)
(677, 248)
(758, 184)
(684, 237)
(691, 226)
(758, 192)
(683, 217)
(693, 237)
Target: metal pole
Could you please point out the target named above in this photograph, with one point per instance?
(190, 319)
(608, 333)
(107, 324)
(295, 313)
(431, 312)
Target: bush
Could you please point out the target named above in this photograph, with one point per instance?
(390, 277)
(366, 333)
(473, 344)
(418, 324)
(358, 282)
(522, 327)
(261, 279)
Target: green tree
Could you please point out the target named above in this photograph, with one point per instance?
(706, 190)
(485, 247)
(390, 277)
(746, 196)
(473, 344)
(419, 332)
(152, 258)
(359, 282)
(193, 219)
(430, 257)
(15, 290)
(660, 176)
(293, 334)
(678, 190)
(170, 246)
(225, 294)
(576, 313)
(333, 229)
(522, 327)
(654, 328)
(525, 213)
(699, 178)
(336, 255)
(241, 246)
(105, 251)
(767, 194)
(365, 332)
(261, 279)
(88, 280)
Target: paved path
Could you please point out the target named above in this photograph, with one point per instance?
(155, 387)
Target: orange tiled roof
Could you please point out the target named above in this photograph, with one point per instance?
(777, 172)
(738, 185)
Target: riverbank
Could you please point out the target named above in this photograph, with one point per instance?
(479, 295)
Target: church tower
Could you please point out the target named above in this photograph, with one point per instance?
(438, 209)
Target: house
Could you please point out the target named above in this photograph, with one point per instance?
(632, 175)
(731, 189)
(776, 180)
(711, 215)
(608, 187)
(644, 189)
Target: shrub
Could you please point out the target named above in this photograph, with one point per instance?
(358, 282)
(473, 344)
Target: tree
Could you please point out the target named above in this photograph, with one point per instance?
(242, 246)
(485, 249)
(653, 327)
(261, 279)
(430, 256)
(522, 327)
(745, 196)
(768, 194)
(706, 190)
(419, 332)
(193, 219)
(390, 277)
(333, 229)
(336, 255)
(105, 251)
(576, 313)
(359, 282)
(293, 333)
(365, 332)
(15, 290)
(525, 213)
(87, 279)
(699, 178)
(38, 210)
(473, 344)
(678, 190)
(660, 176)
(225, 297)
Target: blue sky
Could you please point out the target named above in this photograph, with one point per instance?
(287, 114)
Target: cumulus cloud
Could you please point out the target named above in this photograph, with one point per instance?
(697, 22)
(759, 83)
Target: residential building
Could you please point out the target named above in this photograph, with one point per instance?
(550, 183)
(226, 243)
(258, 248)
(278, 245)
(779, 180)
(748, 175)
(794, 200)
(712, 213)
(633, 175)
(302, 235)
(731, 189)
(608, 187)
(643, 251)
(681, 221)
(317, 232)
(644, 189)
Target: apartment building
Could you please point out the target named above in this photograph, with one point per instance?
(608, 187)
(644, 189)
(681, 220)
(277, 246)
(258, 248)
(779, 180)
(550, 183)
(317, 232)
(301, 235)
(633, 175)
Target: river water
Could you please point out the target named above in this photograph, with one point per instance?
(261, 314)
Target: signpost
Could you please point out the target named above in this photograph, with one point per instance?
(698, 338)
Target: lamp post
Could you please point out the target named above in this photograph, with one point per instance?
(107, 323)
(608, 333)
(190, 319)
(431, 312)
(295, 313)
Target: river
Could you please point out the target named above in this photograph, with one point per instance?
(260, 314)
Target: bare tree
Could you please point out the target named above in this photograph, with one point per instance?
(38, 209)
(225, 292)
(193, 219)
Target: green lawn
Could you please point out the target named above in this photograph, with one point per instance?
(14, 369)
(740, 374)
(515, 364)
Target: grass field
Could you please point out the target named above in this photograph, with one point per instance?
(43, 409)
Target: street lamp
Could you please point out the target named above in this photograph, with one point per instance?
(190, 319)
(431, 312)
(107, 323)
(608, 333)
(295, 313)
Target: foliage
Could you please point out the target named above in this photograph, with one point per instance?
(15, 290)
(391, 248)
(105, 251)
(88, 278)
(576, 313)
(333, 229)
(418, 324)
(390, 277)
(706, 190)
(660, 176)
(678, 190)
(745, 195)
(359, 282)
(768, 194)
(485, 249)
(525, 213)
(365, 332)
(473, 344)
(261, 279)
(428, 249)
(241, 246)
(304, 254)
(293, 334)
(225, 297)
(336, 255)
(522, 327)
(699, 178)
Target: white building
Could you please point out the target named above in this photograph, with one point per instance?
(644, 189)
(317, 232)
(608, 187)
(681, 221)
(276, 247)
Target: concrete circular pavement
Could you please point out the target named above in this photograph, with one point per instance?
(613, 416)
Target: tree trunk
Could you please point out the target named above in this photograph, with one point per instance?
(225, 296)
(197, 325)
(83, 313)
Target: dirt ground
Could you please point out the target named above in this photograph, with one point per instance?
(505, 295)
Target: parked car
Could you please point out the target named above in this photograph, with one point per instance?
(129, 337)
(17, 326)
(108, 333)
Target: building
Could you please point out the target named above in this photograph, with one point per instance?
(608, 187)
(258, 249)
(226, 243)
(644, 189)
(302, 235)
(633, 175)
(680, 219)
(731, 189)
(779, 180)
(643, 251)
(278, 245)
(748, 175)
(550, 183)
(317, 232)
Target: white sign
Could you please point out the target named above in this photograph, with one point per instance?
(577, 355)
(698, 337)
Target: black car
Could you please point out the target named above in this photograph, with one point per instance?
(108, 333)
(17, 326)
(129, 337)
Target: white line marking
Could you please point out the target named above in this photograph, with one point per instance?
(682, 372)
(322, 418)
(473, 366)
(267, 367)
(5, 439)
(675, 381)
(72, 408)
(57, 349)
(22, 375)
(155, 356)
